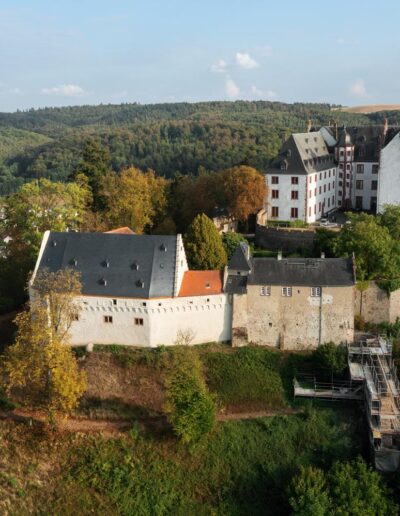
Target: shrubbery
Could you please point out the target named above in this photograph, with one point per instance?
(191, 408)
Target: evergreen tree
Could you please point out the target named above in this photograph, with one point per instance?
(94, 165)
(204, 245)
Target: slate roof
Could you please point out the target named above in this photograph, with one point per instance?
(302, 153)
(239, 259)
(302, 272)
(368, 140)
(312, 272)
(115, 265)
(344, 138)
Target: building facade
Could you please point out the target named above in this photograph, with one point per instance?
(389, 174)
(301, 181)
(290, 303)
(137, 290)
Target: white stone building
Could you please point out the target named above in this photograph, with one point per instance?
(137, 290)
(389, 174)
(301, 181)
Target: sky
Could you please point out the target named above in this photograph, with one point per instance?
(59, 53)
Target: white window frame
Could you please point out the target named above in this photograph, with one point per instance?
(315, 291)
(265, 291)
(287, 291)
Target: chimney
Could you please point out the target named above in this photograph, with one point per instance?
(279, 256)
(309, 125)
(322, 254)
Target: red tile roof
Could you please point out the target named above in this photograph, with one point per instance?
(201, 283)
(122, 231)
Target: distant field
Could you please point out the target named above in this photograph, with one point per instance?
(372, 108)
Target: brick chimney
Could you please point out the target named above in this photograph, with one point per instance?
(309, 125)
(385, 126)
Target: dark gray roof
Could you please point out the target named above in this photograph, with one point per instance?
(239, 259)
(302, 153)
(137, 266)
(236, 284)
(302, 271)
(368, 140)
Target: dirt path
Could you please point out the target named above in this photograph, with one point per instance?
(115, 427)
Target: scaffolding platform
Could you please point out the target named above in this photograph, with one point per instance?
(373, 379)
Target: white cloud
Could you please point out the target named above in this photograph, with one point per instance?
(246, 61)
(219, 66)
(66, 90)
(358, 88)
(343, 41)
(263, 94)
(231, 88)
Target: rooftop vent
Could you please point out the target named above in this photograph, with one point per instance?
(135, 266)
(54, 243)
(106, 263)
(103, 282)
(140, 283)
(163, 248)
(74, 262)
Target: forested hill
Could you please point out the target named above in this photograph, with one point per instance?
(168, 138)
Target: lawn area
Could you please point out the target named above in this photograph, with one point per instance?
(243, 468)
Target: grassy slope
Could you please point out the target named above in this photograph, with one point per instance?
(244, 468)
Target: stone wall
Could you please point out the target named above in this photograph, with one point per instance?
(288, 240)
(375, 305)
(297, 322)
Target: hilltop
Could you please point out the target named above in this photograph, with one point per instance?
(370, 108)
(167, 138)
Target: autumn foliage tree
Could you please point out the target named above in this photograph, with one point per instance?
(244, 190)
(134, 198)
(203, 245)
(40, 364)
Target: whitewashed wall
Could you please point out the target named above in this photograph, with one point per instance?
(389, 174)
(207, 317)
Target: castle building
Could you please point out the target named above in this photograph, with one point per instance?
(137, 290)
(290, 303)
(333, 168)
(302, 180)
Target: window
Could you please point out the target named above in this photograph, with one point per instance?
(324, 188)
(348, 166)
(294, 213)
(348, 153)
(309, 211)
(315, 209)
(374, 185)
(375, 169)
(319, 207)
(340, 193)
(275, 180)
(315, 192)
(359, 202)
(325, 175)
(275, 211)
(320, 190)
(341, 166)
(108, 319)
(114, 302)
(342, 153)
(310, 194)
(360, 169)
(138, 321)
(315, 291)
(265, 291)
(295, 180)
(75, 317)
(287, 291)
(295, 194)
(359, 184)
(275, 194)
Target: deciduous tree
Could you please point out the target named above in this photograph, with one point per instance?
(245, 190)
(134, 198)
(40, 364)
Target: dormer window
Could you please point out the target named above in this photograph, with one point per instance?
(135, 266)
(54, 243)
(163, 248)
(74, 262)
(284, 165)
(103, 282)
(106, 264)
(140, 283)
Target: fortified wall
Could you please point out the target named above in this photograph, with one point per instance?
(375, 305)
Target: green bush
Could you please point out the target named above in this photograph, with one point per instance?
(348, 488)
(191, 408)
(331, 357)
